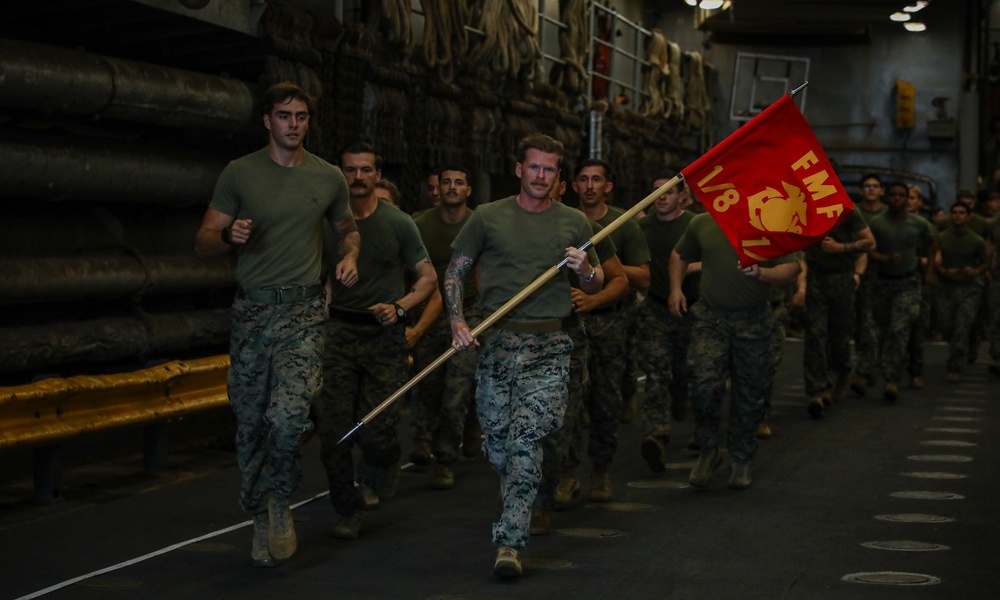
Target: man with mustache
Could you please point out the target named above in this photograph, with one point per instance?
(269, 208)
(606, 323)
(560, 448)
(366, 348)
(521, 380)
(447, 393)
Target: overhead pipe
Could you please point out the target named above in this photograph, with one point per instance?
(62, 81)
(49, 169)
(60, 279)
(49, 346)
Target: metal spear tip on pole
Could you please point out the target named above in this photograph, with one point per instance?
(351, 432)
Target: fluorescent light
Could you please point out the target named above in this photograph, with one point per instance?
(915, 26)
(691, 2)
(900, 16)
(710, 4)
(916, 6)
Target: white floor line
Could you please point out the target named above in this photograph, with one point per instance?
(154, 554)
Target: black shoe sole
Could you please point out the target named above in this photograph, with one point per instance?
(654, 458)
(507, 570)
(815, 410)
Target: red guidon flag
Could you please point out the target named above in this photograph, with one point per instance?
(769, 185)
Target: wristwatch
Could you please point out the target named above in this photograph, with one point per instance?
(400, 311)
(589, 278)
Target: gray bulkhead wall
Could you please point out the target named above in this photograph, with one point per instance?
(853, 85)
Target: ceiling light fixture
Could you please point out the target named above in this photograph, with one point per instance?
(919, 4)
(915, 26)
(691, 2)
(710, 4)
(900, 16)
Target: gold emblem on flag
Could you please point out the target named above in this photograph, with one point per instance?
(770, 210)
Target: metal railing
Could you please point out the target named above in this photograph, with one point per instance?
(624, 70)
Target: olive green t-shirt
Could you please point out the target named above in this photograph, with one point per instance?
(960, 250)
(870, 214)
(724, 286)
(628, 238)
(838, 262)
(288, 207)
(661, 237)
(390, 244)
(605, 250)
(514, 247)
(994, 236)
(438, 235)
(907, 236)
(977, 223)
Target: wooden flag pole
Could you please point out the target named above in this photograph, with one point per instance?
(513, 302)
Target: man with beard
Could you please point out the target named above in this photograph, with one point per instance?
(366, 349)
(269, 208)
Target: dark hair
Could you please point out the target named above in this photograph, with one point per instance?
(541, 142)
(453, 167)
(898, 184)
(670, 174)
(966, 193)
(281, 93)
(361, 148)
(965, 205)
(874, 176)
(394, 195)
(595, 162)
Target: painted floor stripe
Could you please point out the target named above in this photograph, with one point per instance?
(154, 554)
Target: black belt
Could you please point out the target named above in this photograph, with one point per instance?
(532, 326)
(606, 310)
(354, 317)
(280, 295)
(821, 270)
(893, 276)
(658, 299)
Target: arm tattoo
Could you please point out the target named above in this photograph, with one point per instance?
(347, 236)
(454, 291)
